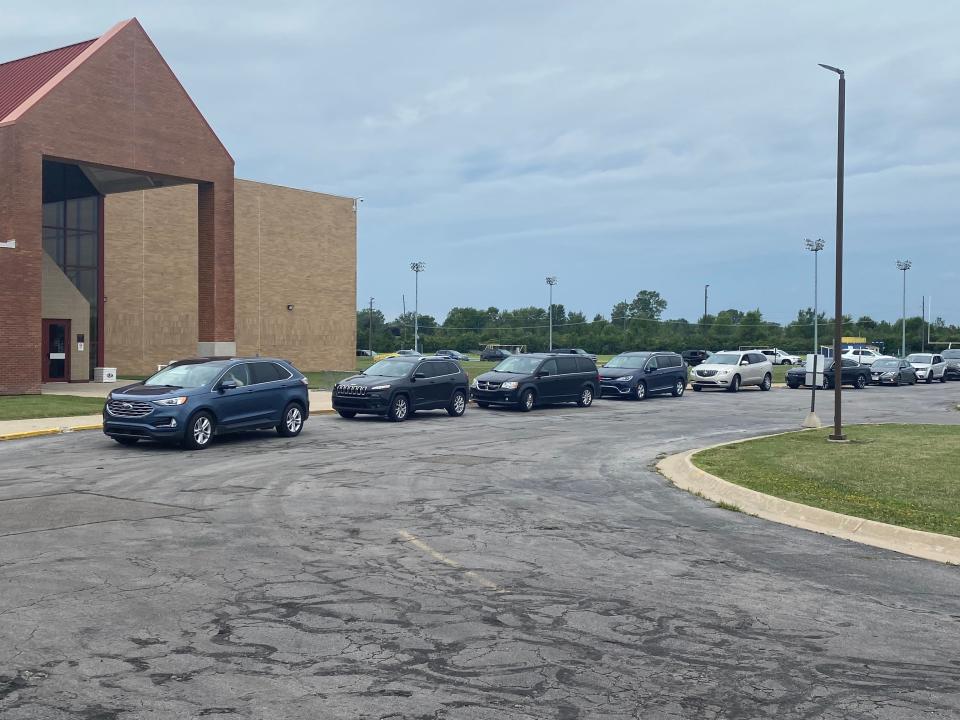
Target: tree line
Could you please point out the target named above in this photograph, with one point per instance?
(632, 325)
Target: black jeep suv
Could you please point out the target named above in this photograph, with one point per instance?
(639, 374)
(399, 386)
(538, 379)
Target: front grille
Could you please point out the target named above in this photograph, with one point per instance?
(487, 385)
(351, 390)
(129, 408)
(706, 373)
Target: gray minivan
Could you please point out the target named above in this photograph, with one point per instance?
(639, 374)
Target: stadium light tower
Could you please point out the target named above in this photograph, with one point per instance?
(904, 265)
(417, 267)
(551, 281)
(814, 246)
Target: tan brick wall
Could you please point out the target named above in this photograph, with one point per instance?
(62, 301)
(150, 278)
(291, 247)
(304, 244)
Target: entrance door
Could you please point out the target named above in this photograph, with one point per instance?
(56, 351)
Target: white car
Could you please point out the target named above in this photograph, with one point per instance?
(864, 356)
(732, 369)
(779, 357)
(929, 367)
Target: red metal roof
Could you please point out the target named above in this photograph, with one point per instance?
(19, 79)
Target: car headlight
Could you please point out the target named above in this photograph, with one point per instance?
(171, 401)
(381, 387)
(474, 384)
(625, 378)
(723, 372)
(510, 385)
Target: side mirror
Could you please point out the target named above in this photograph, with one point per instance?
(419, 376)
(650, 369)
(228, 385)
(744, 362)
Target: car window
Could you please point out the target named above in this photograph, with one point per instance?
(585, 364)
(240, 374)
(652, 364)
(566, 365)
(630, 362)
(951, 354)
(518, 365)
(430, 369)
(450, 368)
(847, 362)
(549, 367)
(937, 359)
(724, 359)
(263, 372)
(186, 375)
(391, 367)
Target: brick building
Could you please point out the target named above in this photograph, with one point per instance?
(125, 240)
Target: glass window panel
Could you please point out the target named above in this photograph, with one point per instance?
(82, 213)
(53, 214)
(81, 249)
(53, 244)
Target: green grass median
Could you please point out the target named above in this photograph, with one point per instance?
(905, 475)
(27, 407)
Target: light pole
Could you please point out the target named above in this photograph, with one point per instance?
(814, 246)
(838, 435)
(417, 267)
(370, 329)
(551, 281)
(705, 302)
(904, 265)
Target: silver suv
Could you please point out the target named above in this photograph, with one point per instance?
(733, 369)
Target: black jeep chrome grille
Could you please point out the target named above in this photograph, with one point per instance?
(351, 390)
(128, 408)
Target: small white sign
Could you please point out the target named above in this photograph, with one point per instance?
(79, 347)
(58, 356)
(12, 244)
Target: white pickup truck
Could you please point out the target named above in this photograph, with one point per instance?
(779, 357)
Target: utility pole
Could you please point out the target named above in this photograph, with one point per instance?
(403, 322)
(838, 435)
(370, 330)
(923, 318)
(705, 302)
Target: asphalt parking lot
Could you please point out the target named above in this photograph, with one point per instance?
(499, 565)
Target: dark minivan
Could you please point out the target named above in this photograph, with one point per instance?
(538, 379)
(399, 386)
(190, 401)
(639, 374)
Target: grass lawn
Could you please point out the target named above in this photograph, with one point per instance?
(898, 474)
(25, 407)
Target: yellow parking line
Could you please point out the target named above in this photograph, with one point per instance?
(437, 555)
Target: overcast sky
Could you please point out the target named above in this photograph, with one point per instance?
(617, 145)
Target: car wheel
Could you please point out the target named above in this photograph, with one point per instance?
(641, 391)
(346, 414)
(929, 377)
(793, 386)
(860, 383)
(678, 387)
(292, 422)
(734, 385)
(697, 388)
(482, 404)
(527, 399)
(199, 433)
(586, 397)
(126, 440)
(399, 409)
(943, 378)
(767, 382)
(458, 404)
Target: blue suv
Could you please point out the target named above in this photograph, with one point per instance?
(192, 400)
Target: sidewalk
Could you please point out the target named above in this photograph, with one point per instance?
(320, 404)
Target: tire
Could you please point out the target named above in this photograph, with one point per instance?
(930, 378)
(346, 414)
(399, 408)
(458, 404)
(860, 383)
(786, 362)
(793, 386)
(767, 382)
(200, 430)
(126, 440)
(482, 404)
(641, 392)
(527, 400)
(291, 422)
(734, 385)
(678, 387)
(586, 397)
(943, 378)
(697, 388)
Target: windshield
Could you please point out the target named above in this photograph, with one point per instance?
(391, 367)
(517, 364)
(633, 362)
(951, 354)
(920, 358)
(886, 363)
(190, 375)
(724, 359)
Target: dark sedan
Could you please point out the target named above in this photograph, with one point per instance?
(851, 373)
(192, 400)
(453, 355)
(494, 354)
(893, 372)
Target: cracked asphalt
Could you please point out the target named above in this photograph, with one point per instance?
(500, 565)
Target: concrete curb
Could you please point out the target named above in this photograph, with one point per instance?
(681, 471)
(49, 431)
